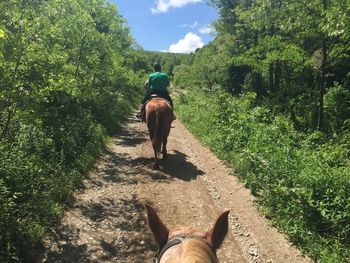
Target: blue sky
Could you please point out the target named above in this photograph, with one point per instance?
(178, 26)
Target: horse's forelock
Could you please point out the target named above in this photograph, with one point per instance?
(187, 230)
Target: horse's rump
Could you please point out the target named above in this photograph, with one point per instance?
(159, 116)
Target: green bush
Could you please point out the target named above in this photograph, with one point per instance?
(337, 107)
(302, 180)
(66, 83)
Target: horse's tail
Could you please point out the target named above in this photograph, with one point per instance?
(157, 139)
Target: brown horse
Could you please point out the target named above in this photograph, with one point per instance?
(186, 244)
(159, 116)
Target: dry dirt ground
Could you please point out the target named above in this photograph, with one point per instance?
(106, 220)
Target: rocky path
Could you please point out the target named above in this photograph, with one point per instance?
(106, 220)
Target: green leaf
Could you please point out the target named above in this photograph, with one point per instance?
(2, 33)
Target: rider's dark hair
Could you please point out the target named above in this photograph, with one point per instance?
(157, 67)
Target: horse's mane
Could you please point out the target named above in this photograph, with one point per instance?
(194, 251)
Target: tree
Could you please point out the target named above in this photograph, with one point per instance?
(68, 77)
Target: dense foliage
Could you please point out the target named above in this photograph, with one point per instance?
(271, 95)
(301, 180)
(168, 61)
(66, 82)
(294, 53)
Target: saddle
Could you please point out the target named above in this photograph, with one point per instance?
(156, 96)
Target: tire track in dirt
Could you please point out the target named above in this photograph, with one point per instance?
(105, 221)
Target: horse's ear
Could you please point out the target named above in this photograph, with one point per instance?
(159, 230)
(218, 232)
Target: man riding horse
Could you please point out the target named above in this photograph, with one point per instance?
(157, 84)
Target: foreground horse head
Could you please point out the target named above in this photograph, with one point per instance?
(186, 244)
(159, 116)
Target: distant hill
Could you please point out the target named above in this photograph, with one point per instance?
(166, 59)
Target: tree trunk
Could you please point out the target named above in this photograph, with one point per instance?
(271, 78)
(259, 87)
(322, 85)
(322, 78)
(277, 75)
(10, 115)
(82, 44)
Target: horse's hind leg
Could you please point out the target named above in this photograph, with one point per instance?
(165, 139)
(156, 161)
(164, 151)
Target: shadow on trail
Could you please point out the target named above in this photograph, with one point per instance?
(67, 250)
(117, 168)
(131, 137)
(135, 236)
(125, 216)
(97, 211)
(175, 166)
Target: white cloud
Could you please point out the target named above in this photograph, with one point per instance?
(187, 45)
(162, 6)
(193, 25)
(206, 30)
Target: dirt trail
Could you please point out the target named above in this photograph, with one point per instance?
(106, 221)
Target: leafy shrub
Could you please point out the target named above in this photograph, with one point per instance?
(302, 180)
(337, 107)
(66, 84)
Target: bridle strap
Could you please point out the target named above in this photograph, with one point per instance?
(171, 243)
(175, 240)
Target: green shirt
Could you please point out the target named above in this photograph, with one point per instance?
(159, 82)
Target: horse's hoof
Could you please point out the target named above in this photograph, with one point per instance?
(156, 166)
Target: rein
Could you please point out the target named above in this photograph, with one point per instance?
(176, 240)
